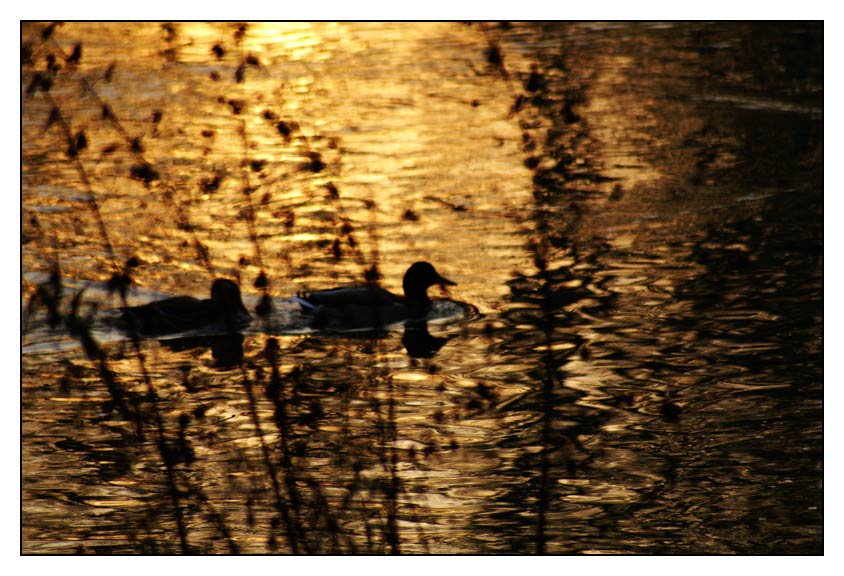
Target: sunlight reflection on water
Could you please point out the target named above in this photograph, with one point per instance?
(629, 363)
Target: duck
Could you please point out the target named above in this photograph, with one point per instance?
(371, 306)
(183, 313)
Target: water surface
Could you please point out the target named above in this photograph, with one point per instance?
(632, 213)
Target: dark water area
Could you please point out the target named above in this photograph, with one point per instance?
(630, 362)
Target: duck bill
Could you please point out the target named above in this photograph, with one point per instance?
(445, 281)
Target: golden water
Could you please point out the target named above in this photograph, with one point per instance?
(637, 225)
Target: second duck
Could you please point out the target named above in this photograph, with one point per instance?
(370, 306)
(182, 313)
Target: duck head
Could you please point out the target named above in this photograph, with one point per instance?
(419, 278)
(226, 295)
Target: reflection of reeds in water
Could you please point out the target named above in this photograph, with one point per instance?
(305, 512)
(550, 153)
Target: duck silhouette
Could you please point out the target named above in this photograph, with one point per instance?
(182, 313)
(370, 306)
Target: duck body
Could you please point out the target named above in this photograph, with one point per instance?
(371, 306)
(183, 313)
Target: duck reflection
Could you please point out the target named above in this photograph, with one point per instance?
(226, 349)
(420, 343)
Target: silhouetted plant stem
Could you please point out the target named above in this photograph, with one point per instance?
(219, 522)
(78, 327)
(90, 345)
(164, 451)
(247, 192)
(387, 452)
(291, 524)
(142, 170)
(548, 418)
(83, 176)
(393, 485)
